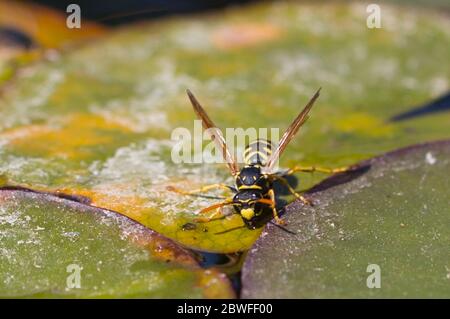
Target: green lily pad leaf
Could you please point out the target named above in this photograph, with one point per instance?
(53, 247)
(97, 120)
(386, 227)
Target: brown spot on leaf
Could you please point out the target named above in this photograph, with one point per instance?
(244, 35)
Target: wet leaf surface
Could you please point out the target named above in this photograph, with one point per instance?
(44, 238)
(96, 121)
(395, 215)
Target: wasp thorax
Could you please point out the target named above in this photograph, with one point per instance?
(248, 176)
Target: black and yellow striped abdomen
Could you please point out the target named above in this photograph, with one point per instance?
(258, 152)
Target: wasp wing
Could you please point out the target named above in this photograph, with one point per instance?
(290, 133)
(214, 133)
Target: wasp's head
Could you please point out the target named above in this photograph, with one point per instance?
(248, 207)
(246, 202)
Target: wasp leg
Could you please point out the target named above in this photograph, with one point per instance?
(278, 220)
(217, 215)
(310, 169)
(218, 212)
(292, 191)
(203, 189)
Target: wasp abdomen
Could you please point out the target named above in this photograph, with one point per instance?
(257, 152)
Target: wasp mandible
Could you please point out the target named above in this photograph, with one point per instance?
(254, 195)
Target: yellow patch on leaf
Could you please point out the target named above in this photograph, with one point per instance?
(24, 132)
(114, 197)
(361, 123)
(70, 140)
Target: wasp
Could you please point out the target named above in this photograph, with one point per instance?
(254, 195)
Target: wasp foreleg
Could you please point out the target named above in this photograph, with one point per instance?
(203, 189)
(278, 220)
(218, 214)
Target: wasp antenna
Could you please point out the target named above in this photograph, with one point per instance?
(229, 230)
(283, 228)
